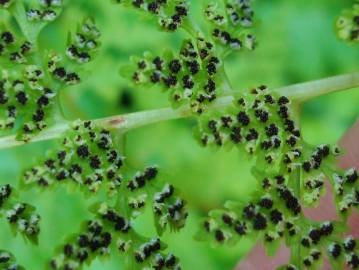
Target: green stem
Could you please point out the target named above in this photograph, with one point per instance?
(191, 27)
(124, 123)
(227, 86)
(296, 183)
(309, 90)
(296, 246)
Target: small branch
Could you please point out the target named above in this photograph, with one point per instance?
(138, 119)
(305, 91)
(296, 245)
(49, 134)
(126, 122)
(227, 86)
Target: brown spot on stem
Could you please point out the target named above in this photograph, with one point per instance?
(116, 121)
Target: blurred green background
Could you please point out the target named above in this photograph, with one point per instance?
(297, 43)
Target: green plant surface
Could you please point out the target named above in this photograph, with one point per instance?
(292, 48)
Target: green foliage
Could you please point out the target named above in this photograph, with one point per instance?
(21, 216)
(29, 81)
(43, 11)
(264, 125)
(291, 175)
(230, 24)
(89, 156)
(261, 124)
(171, 14)
(84, 43)
(8, 261)
(23, 90)
(348, 24)
(23, 94)
(5, 3)
(193, 77)
(109, 231)
(89, 159)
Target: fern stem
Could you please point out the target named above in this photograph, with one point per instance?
(227, 86)
(126, 122)
(296, 246)
(309, 90)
